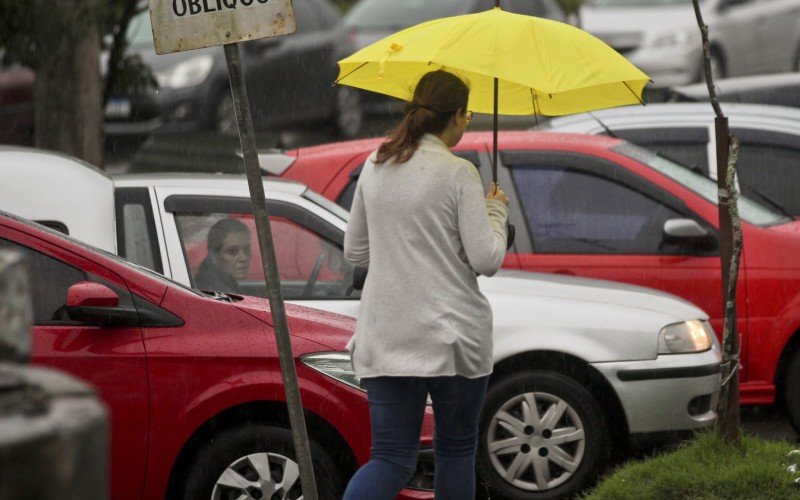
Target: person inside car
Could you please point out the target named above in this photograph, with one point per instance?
(228, 257)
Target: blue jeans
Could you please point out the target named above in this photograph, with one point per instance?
(397, 407)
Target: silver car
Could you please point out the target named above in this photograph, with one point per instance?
(582, 367)
(662, 37)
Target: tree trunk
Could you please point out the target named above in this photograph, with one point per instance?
(67, 92)
(730, 234)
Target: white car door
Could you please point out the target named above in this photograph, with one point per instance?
(739, 27)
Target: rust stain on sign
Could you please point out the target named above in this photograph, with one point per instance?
(191, 24)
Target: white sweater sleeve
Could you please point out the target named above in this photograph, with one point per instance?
(356, 237)
(482, 227)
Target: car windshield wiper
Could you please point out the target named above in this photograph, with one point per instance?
(660, 154)
(224, 297)
(770, 202)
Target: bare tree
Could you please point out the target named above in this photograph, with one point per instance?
(66, 38)
(730, 247)
(61, 41)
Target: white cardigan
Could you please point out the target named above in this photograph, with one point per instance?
(424, 229)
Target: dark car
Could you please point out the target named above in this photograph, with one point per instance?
(289, 83)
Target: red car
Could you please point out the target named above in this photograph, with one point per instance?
(192, 380)
(599, 207)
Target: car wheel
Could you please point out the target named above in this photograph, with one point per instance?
(792, 392)
(717, 66)
(257, 462)
(542, 436)
(348, 115)
(225, 116)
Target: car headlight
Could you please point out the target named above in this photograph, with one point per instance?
(336, 365)
(687, 337)
(187, 73)
(680, 39)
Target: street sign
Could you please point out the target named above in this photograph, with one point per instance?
(191, 24)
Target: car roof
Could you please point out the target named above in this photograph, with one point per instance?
(213, 181)
(656, 115)
(472, 140)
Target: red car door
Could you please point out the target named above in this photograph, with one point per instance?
(112, 359)
(591, 217)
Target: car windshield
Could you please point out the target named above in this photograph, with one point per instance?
(140, 31)
(637, 3)
(749, 210)
(397, 14)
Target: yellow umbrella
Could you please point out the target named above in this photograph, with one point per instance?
(542, 66)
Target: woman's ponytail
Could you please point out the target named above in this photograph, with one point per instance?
(437, 97)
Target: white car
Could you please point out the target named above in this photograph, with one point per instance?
(582, 367)
(767, 168)
(662, 37)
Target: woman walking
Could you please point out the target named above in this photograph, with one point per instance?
(420, 221)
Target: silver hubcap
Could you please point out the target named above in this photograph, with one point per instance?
(348, 112)
(261, 476)
(536, 441)
(225, 116)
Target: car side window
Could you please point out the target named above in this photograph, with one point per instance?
(575, 211)
(772, 171)
(136, 232)
(50, 279)
(221, 251)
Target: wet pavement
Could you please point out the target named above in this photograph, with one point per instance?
(767, 422)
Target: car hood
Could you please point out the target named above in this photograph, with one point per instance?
(328, 329)
(575, 290)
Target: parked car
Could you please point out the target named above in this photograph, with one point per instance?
(662, 37)
(608, 366)
(779, 89)
(192, 380)
(769, 158)
(603, 208)
(288, 81)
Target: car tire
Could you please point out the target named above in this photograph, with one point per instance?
(792, 392)
(718, 70)
(348, 114)
(249, 454)
(543, 452)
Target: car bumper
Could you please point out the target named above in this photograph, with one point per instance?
(668, 395)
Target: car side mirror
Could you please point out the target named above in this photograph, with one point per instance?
(359, 277)
(688, 232)
(97, 305)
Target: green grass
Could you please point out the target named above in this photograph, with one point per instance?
(707, 468)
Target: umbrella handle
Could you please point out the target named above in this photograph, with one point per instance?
(511, 233)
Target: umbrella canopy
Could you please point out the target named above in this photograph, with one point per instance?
(542, 66)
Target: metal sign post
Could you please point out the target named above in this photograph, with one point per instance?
(247, 137)
(188, 24)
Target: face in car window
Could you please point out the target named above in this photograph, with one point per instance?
(222, 255)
